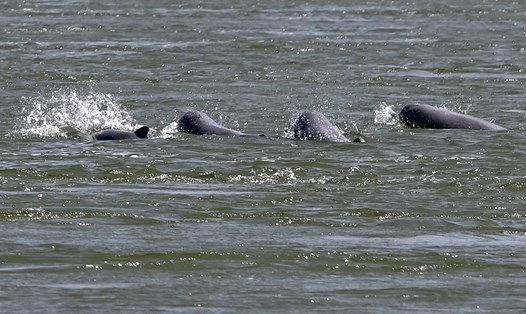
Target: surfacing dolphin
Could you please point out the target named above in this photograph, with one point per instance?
(199, 123)
(313, 125)
(426, 116)
(107, 135)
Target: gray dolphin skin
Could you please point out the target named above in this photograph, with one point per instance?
(108, 135)
(313, 125)
(199, 123)
(426, 116)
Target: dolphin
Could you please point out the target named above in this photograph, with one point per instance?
(199, 123)
(313, 125)
(106, 135)
(426, 116)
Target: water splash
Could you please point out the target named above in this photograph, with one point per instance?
(64, 111)
(170, 130)
(461, 109)
(385, 115)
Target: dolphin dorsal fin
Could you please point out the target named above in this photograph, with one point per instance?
(142, 132)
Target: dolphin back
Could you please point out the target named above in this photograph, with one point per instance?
(199, 123)
(313, 125)
(109, 135)
(426, 116)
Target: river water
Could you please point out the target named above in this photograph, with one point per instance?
(410, 220)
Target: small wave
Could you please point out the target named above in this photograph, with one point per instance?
(57, 115)
(37, 213)
(268, 176)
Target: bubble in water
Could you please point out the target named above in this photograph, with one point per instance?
(63, 111)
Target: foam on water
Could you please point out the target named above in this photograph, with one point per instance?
(63, 111)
